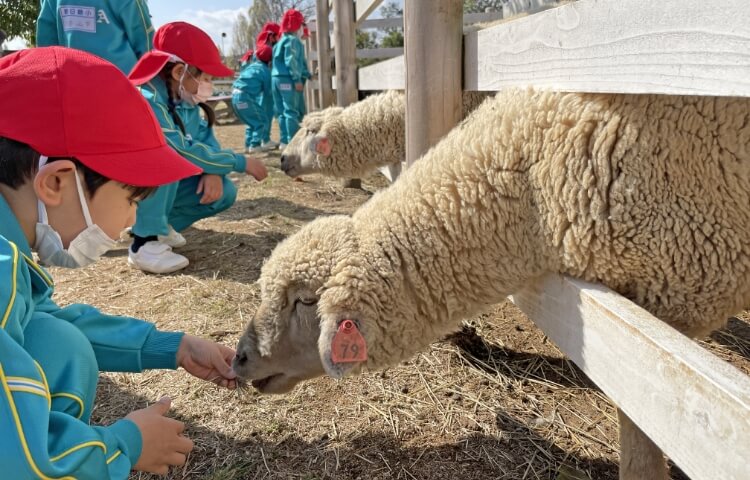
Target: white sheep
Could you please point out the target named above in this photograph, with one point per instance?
(645, 194)
(354, 141)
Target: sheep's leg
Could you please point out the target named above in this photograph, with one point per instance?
(640, 458)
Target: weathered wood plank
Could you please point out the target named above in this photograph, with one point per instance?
(693, 405)
(363, 9)
(626, 46)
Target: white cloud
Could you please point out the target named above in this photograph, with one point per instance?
(15, 43)
(212, 22)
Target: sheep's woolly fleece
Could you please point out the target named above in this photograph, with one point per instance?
(646, 194)
(364, 136)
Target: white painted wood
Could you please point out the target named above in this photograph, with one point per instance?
(363, 9)
(346, 67)
(626, 46)
(514, 7)
(432, 37)
(398, 22)
(693, 405)
(386, 75)
(380, 52)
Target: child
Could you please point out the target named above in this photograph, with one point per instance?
(288, 76)
(120, 32)
(270, 36)
(69, 180)
(178, 71)
(252, 99)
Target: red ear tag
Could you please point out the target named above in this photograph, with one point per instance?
(348, 345)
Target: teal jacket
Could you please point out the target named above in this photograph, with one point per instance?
(196, 127)
(117, 30)
(289, 59)
(36, 441)
(211, 158)
(254, 83)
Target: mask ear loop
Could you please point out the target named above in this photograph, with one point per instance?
(82, 198)
(40, 207)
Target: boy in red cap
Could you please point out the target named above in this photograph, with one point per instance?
(288, 75)
(252, 98)
(72, 165)
(179, 71)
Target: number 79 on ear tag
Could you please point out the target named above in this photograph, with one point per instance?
(348, 345)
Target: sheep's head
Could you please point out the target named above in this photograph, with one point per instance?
(303, 305)
(308, 150)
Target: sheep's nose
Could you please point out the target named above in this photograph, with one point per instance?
(240, 358)
(284, 163)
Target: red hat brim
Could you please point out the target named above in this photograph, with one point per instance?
(151, 64)
(145, 168)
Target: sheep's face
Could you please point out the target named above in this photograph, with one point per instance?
(308, 150)
(288, 339)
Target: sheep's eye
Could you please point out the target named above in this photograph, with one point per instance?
(307, 301)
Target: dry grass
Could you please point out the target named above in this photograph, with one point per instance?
(496, 400)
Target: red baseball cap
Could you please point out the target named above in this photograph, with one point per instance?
(292, 20)
(264, 52)
(247, 56)
(272, 27)
(69, 103)
(183, 43)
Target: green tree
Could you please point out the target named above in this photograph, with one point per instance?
(18, 18)
(366, 40)
(394, 37)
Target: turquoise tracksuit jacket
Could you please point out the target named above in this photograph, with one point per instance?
(252, 100)
(50, 357)
(117, 30)
(289, 58)
(177, 204)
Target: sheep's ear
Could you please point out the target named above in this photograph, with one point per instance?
(341, 344)
(321, 145)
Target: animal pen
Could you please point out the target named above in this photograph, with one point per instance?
(681, 400)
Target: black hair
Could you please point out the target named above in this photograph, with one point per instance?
(166, 75)
(19, 162)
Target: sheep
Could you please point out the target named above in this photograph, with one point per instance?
(645, 194)
(352, 142)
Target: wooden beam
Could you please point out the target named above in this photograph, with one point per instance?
(364, 8)
(323, 38)
(380, 52)
(346, 66)
(634, 46)
(433, 72)
(398, 22)
(694, 406)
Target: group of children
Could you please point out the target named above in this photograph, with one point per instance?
(84, 154)
(272, 81)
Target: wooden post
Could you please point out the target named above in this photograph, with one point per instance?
(433, 57)
(309, 106)
(322, 27)
(346, 61)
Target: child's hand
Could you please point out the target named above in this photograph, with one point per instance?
(207, 360)
(255, 168)
(163, 442)
(212, 187)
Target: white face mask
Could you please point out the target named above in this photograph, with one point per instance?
(85, 249)
(205, 90)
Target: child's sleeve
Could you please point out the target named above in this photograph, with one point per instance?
(46, 25)
(212, 160)
(292, 55)
(40, 443)
(139, 30)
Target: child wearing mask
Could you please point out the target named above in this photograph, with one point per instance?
(69, 182)
(179, 71)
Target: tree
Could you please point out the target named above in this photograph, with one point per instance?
(481, 6)
(18, 18)
(394, 37)
(248, 25)
(366, 40)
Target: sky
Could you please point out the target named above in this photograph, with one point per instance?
(214, 20)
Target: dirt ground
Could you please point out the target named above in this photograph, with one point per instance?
(497, 400)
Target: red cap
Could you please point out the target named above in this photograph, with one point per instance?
(246, 56)
(180, 42)
(292, 20)
(69, 103)
(264, 52)
(272, 27)
(305, 32)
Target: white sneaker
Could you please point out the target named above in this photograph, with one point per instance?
(156, 257)
(174, 239)
(282, 146)
(269, 145)
(257, 149)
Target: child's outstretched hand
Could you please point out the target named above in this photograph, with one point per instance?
(207, 360)
(162, 439)
(255, 167)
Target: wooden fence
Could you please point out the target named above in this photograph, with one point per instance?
(688, 403)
